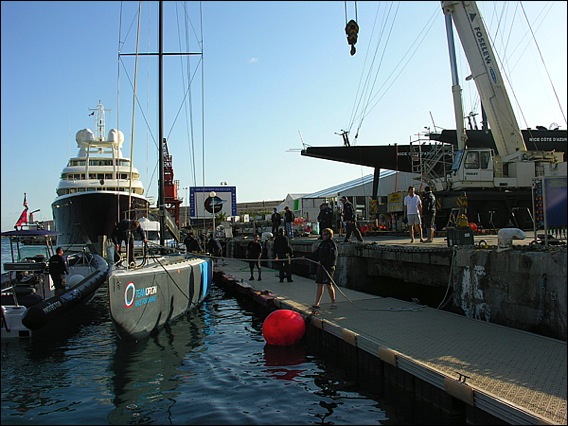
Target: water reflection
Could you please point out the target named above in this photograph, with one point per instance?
(147, 374)
(41, 376)
(282, 356)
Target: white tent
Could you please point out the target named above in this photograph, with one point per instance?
(359, 191)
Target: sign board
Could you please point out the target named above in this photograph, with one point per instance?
(550, 200)
(202, 205)
(395, 202)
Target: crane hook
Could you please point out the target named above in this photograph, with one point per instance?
(352, 31)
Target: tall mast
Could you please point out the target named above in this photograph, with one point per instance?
(161, 195)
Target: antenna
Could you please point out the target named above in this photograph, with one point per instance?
(305, 145)
(432, 118)
(302, 139)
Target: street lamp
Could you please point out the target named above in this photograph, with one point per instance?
(186, 205)
(187, 222)
(213, 194)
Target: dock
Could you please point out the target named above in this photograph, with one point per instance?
(476, 370)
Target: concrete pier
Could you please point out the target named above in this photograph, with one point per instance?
(474, 371)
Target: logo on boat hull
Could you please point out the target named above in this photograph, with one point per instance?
(139, 297)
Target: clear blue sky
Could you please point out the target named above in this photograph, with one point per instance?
(272, 70)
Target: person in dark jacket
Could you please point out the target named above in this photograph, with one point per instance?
(254, 252)
(429, 212)
(326, 256)
(276, 219)
(192, 244)
(125, 231)
(289, 222)
(282, 253)
(325, 217)
(57, 270)
(350, 221)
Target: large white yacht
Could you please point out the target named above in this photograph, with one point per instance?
(98, 187)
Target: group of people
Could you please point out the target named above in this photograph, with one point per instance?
(126, 229)
(195, 244)
(276, 219)
(281, 252)
(343, 220)
(417, 211)
(324, 256)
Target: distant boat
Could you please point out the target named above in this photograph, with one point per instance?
(29, 303)
(97, 187)
(26, 222)
(158, 288)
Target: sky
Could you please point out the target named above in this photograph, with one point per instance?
(276, 75)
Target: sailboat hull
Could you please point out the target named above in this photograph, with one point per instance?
(143, 300)
(85, 219)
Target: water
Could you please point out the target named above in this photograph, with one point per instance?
(209, 367)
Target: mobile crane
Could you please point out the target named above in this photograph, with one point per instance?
(489, 186)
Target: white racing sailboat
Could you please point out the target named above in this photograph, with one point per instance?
(157, 288)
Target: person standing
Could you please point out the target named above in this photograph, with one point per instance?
(124, 231)
(276, 219)
(350, 221)
(326, 256)
(325, 217)
(338, 214)
(320, 220)
(412, 213)
(268, 250)
(289, 222)
(192, 244)
(429, 210)
(254, 252)
(282, 253)
(214, 246)
(57, 270)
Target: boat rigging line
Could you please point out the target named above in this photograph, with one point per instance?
(367, 96)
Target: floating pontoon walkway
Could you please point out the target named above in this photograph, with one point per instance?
(513, 375)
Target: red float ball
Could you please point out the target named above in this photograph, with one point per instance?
(283, 327)
(473, 226)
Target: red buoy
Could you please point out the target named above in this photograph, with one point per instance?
(283, 327)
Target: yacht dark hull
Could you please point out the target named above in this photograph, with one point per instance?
(85, 219)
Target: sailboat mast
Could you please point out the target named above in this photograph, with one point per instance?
(162, 194)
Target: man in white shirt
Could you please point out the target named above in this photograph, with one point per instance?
(412, 213)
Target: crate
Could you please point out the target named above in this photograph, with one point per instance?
(459, 237)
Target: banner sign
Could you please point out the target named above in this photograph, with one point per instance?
(204, 201)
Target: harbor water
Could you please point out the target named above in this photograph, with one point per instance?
(211, 366)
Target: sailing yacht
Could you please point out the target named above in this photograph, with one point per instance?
(97, 187)
(158, 287)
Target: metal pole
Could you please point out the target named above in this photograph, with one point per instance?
(213, 194)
